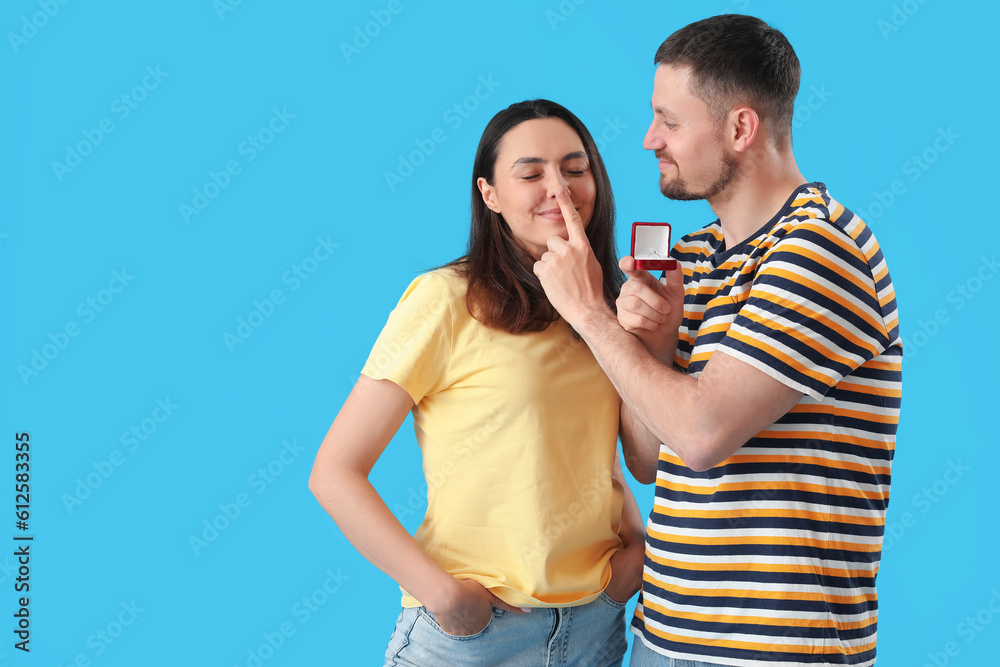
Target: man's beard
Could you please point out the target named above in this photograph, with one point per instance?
(677, 189)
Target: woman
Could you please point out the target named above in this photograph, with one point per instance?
(527, 510)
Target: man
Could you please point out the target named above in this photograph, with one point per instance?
(760, 381)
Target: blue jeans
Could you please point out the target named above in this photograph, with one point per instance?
(583, 636)
(643, 656)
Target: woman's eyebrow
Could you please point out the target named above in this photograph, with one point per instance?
(537, 160)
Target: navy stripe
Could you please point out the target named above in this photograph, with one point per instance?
(792, 471)
(773, 631)
(755, 605)
(827, 557)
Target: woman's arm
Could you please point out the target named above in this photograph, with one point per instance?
(371, 415)
(640, 447)
(627, 564)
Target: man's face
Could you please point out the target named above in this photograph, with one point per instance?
(686, 139)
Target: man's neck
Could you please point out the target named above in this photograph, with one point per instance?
(766, 180)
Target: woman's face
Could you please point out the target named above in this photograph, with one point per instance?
(537, 159)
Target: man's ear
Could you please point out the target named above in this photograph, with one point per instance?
(741, 128)
(489, 194)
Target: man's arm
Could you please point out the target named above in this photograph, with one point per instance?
(702, 419)
(652, 311)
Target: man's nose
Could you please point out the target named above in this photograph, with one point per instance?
(653, 139)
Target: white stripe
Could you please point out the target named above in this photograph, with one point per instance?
(751, 588)
(868, 571)
(752, 535)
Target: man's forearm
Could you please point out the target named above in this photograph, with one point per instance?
(702, 419)
(655, 397)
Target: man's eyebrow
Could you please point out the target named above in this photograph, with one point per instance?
(663, 111)
(537, 160)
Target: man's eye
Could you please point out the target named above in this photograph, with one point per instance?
(530, 177)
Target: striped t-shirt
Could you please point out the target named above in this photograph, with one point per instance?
(770, 557)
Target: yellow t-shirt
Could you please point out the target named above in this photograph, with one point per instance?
(518, 435)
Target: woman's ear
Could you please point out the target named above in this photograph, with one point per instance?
(489, 194)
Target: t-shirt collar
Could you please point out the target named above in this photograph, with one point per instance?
(722, 253)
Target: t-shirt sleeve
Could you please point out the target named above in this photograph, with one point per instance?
(812, 315)
(414, 348)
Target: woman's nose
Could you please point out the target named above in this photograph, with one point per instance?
(556, 182)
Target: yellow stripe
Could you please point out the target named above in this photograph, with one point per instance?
(755, 513)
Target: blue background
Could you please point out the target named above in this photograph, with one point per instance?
(881, 82)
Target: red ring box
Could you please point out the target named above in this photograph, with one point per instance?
(653, 241)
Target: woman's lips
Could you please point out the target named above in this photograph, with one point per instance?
(552, 214)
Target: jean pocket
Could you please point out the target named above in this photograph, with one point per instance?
(429, 618)
(608, 600)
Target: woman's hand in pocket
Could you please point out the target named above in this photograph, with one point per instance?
(469, 609)
(626, 572)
